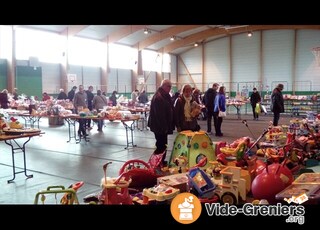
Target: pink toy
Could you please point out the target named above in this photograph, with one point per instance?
(115, 190)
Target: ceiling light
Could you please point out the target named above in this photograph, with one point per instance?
(147, 31)
(196, 44)
(250, 34)
(172, 38)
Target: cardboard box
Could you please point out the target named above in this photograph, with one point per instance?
(179, 181)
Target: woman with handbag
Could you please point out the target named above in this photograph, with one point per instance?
(219, 109)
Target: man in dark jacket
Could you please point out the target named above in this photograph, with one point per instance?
(277, 103)
(254, 99)
(90, 96)
(161, 116)
(71, 93)
(209, 97)
(4, 102)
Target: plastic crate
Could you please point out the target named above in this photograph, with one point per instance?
(206, 190)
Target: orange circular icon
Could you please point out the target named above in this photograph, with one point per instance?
(185, 208)
(204, 144)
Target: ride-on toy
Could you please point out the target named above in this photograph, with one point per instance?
(142, 174)
(69, 197)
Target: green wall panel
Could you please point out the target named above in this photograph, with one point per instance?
(29, 81)
(3, 74)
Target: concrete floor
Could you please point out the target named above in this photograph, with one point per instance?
(53, 161)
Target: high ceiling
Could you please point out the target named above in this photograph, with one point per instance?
(157, 37)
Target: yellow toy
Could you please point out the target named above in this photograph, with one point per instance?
(230, 186)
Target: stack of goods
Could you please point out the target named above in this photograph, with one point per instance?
(15, 124)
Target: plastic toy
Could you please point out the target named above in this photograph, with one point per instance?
(308, 178)
(201, 183)
(237, 151)
(182, 164)
(230, 186)
(267, 184)
(115, 190)
(159, 193)
(69, 197)
(294, 191)
(195, 147)
(284, 173)
(142, 174)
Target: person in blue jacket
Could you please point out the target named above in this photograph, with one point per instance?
(219, 105)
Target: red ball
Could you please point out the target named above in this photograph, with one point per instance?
(260, 166)
(284, 173)
(266, 186)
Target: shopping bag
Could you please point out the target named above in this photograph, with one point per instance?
(257, 108)
(263, 109)
(222, 114)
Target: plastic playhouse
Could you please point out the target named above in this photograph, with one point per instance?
(192, 148)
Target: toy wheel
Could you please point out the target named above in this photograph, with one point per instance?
(133, 164)
(228, 198)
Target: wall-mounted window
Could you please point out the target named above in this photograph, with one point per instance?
(122, 57)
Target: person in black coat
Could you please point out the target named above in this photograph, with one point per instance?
(254, 99)
(277, 103)
(209, 98)
(160, 120)
(62, 95)
(71, 93)
(4, 102)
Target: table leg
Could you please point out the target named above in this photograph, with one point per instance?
(72, 133)
(238, 109)
(129, 128)
(14, 151)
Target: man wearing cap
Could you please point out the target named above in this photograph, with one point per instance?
(277, 103)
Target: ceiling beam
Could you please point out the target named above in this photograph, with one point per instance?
(73, 30)
(156, 37)
(121, 33)
(221, 31)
